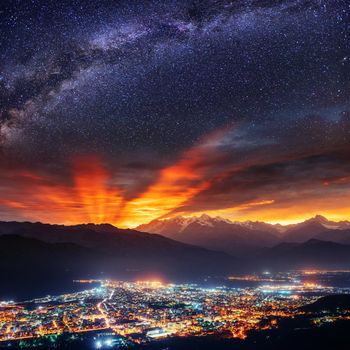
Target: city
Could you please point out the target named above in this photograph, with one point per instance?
(175, 174)
(123, 314)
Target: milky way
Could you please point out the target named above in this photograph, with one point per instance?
(252, 97)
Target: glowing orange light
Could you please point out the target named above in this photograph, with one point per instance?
(92, 195)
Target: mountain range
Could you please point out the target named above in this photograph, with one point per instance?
(41, 254)
(242, 238)
(36, 256)
(312, 254)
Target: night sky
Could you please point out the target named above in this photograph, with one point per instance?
(125, 111)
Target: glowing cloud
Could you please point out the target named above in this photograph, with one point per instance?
(201, 180)
(175, 184)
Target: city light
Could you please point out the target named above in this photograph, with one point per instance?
(147, 310)
(109, 342)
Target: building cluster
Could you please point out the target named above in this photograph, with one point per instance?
(148, 310)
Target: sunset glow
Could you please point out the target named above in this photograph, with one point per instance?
(92, 195)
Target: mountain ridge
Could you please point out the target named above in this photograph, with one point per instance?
(127, 249)
(33, 255)
(240, 238)
(310, 254)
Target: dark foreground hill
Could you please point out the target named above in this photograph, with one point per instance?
(110, 240)
(311, 254)
(329, 303)
(37, 255)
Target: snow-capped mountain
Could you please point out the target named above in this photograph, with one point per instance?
(240, 238)
(178, 224)
(318, 227)
(216, 233)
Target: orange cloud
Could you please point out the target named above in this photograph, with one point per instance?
(175, 185)
(97, 198)
(89, 198)
(243, 190)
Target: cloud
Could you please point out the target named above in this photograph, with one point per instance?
(213, 176)
(94, 192)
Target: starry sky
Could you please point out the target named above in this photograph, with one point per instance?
(126, 111)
